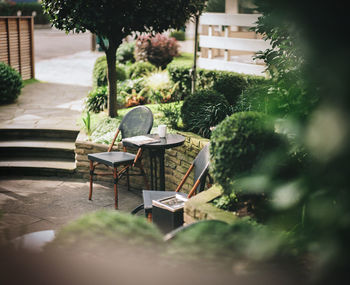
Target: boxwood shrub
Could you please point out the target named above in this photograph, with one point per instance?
(139, 69)
(237, 145)
(99, 72)
(203, 110)
(10, 84)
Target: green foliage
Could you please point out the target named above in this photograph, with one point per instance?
(179, 35)
(215, 6)
(203, 110)
(108, 227)
(97, 99)
(87, 123)
(115, 20)
(10, 9)
(105, 130)
(10, 84)
(160, 88)
(172, 114)
(140, 69)
(230, 84)
(125, 53)
(99, 72)
(242, 240)
(226, 202)
(158, 50)
(238, 144)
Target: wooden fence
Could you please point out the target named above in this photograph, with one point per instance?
(17, 44)
(227, 44)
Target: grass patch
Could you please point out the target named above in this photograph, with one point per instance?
(186, 58)
(30, 81)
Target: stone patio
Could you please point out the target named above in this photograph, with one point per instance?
(30, 204)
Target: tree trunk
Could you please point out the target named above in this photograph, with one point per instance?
(112, 78)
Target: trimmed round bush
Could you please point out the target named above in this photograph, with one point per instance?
(105, 227)
(99, 72)
(140, 69)
(10, 84)
(237, 145)
(203, 110)
(125, 53)
(230, 85)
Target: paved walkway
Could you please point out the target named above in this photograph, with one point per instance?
(27, 204)
(45, 106)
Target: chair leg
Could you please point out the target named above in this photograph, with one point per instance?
(115, 181)
(149, 217)
(91, 178)
(127, 179)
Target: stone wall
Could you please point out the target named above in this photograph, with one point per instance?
(177, 161)
(200, 207)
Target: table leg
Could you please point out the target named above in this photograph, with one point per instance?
(161, 169)
(154, 156)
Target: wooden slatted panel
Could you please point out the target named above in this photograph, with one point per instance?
(26, 60)
(4, 56)
(14, 48)
(16, 44)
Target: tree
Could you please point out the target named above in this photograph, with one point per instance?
(114, 20)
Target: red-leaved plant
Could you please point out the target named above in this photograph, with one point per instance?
(158, 50)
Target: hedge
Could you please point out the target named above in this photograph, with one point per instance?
(7, 9)
(230, 84)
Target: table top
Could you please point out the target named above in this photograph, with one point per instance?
(171, 140)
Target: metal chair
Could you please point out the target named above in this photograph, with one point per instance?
(200, 165)
(138, 121)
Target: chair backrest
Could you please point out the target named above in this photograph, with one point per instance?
(138, 121)
(201, 167)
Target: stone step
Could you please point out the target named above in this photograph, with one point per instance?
(43, 166)
(33, 148)
(38, 134)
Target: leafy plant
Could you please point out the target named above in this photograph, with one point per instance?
(105, 130)
(172, 114)
(125, 53)
(135, 98)
(87, 123)
(179, 35)
(99, 73)
(140, 69)
(97, 99)
(203, 110)
(10, 84)
(161, 88)
(158, 50)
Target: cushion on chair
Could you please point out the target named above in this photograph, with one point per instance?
(149, 195)
(113, 158)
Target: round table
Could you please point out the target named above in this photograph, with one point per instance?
(157, 151)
